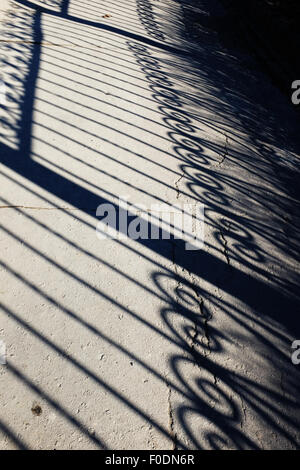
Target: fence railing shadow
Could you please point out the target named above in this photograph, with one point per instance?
(200, 113)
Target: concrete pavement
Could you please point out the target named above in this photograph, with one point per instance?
(141, 344)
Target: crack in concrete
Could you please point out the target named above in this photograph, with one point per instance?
(207, 319)
(216, 380)
(194, 337)
(177, 187)
(195, 326)
(244, 412)
(172, 433)
(225, 244)
(225, 154)
(154, 444)
(281, 384)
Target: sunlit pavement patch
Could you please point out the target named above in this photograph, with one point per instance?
(2, 353)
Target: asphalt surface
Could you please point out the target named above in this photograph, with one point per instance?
(143, 344)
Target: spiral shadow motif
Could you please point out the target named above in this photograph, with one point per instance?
(146, 16)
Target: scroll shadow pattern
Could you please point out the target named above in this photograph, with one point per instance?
(213, 391)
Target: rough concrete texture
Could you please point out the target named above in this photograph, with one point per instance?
(130, 344)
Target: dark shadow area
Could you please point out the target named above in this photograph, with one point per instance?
(247, 180)
(272, 32)
(8, 433)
